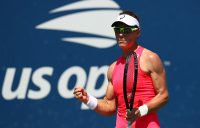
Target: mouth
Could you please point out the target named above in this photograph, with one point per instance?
(121, 41)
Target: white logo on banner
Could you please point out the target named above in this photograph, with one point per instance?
(96, 22)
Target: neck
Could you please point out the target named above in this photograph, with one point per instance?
(125, 52)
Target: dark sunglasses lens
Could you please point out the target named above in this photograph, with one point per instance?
(124, 30)
(127, 30)
(117, 30)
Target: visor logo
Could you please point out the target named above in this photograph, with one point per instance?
(122, 17)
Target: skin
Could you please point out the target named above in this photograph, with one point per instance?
(150, 63)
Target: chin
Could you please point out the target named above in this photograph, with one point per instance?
(122, 43)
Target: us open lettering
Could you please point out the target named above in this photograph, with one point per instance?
(37, 77)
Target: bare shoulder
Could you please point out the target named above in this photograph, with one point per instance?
(148, 54)
(151, 61)
(110, 71)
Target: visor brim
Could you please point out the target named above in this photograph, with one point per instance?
(116, 24)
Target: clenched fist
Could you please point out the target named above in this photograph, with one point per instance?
(81, 94)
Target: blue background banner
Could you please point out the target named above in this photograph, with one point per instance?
(48, 47)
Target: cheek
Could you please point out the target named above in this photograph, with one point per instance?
(131, 38)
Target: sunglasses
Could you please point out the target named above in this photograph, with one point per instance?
(125, 30)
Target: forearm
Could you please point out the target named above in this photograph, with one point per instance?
(157, 102)
(106, 107)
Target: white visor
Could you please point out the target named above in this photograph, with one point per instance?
(128, 20)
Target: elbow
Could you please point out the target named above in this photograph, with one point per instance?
(166, 98)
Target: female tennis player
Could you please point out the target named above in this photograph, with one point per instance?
(151, 91)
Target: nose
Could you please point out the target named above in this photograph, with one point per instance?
(120, 34)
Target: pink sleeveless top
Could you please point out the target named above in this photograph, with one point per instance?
(144, 93)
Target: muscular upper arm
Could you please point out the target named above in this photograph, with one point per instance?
(153, 65)
(157, 73)
(107, 105)
(110, 91)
